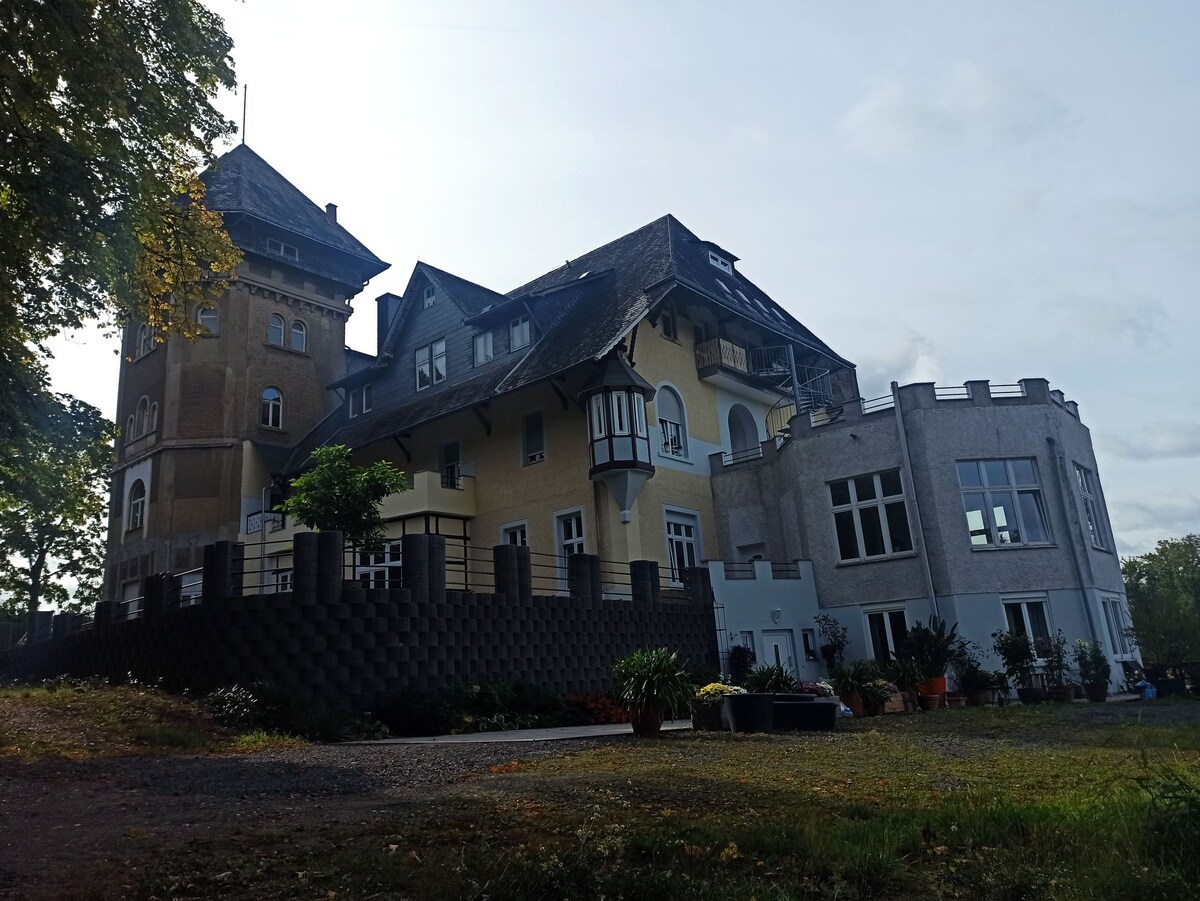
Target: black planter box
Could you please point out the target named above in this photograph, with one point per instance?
(808, 716)
(751, 712)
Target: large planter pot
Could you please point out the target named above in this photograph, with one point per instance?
(981, 697)
(854, 702)
(1097, 692)
(751, 712)
(706, 717)
(956, 700)
(936, 686)
(1031, 695)
(1061, 694)
(646, 720)
(930, 702)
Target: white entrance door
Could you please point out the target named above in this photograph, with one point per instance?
(779, 648)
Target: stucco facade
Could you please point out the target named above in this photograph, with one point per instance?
(1060, 557)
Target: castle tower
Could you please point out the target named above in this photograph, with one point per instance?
(205, 423)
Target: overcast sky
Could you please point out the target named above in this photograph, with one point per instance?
(941, 191)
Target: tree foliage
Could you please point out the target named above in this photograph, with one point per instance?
(105, 116)
(338, 495)
(1164, 600)
(53, 498)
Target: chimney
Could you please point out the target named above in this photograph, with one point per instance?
(331, 213)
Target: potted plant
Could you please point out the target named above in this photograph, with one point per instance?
(650, 682)
(975, 683)
(1054, 651)
(1016, 650)
(849, 682)
(905, 674)
(754, 711)
(836, 638)
(741, 661)
(875, 694)
(1094, 670)
(934, 648)
(708, 703)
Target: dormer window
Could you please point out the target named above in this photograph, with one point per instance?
(518, 333)
(360, 400)
(720, 262)
(284, 250)
(430, 296)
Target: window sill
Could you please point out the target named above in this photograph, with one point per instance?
(285, 349)
(669, 338)
(672, 458)
(1012, 547)
(274, 429)
(906, 555)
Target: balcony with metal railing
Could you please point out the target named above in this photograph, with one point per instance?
(448, 493)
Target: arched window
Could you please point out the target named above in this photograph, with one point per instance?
(672, 423)
(275, 330)
(299, 336)
(129, 427)
(141, 418)
(154, 417)
(137, 506)
(209, 318)
(743, 431)
(145, 342)
(272, 408)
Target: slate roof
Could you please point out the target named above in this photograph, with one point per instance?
(243, 182)
(581, 310)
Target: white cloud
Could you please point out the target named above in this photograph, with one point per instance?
(905, 358)
(896, 120)
(1157, 441)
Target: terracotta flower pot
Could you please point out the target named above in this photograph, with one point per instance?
(1097, 692)
(936, 686)
(930, 701)
(646, 720)
(854, 702)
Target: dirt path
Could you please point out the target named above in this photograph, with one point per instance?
(62, 822)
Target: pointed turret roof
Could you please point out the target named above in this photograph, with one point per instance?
(242, 182)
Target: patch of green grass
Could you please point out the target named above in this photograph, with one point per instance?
(963, 804)
(262, 740)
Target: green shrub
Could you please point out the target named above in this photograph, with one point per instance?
(652, 677)
(771, 679)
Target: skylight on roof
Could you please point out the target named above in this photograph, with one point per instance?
(721, 263)
(725, 287)
(585, 275)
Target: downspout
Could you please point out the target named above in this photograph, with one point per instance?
(1062, 478)
(908, 473)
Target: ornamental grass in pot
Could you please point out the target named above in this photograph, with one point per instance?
(934, 648)
(1094, 670)
(852, 680)
(650, 682)
(1016, 650)
(708, 704)
(755, 710)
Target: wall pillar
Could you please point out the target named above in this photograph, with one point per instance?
(699, 585)
(645, 580)
(222, 571)
(152, 596)
(304, 567)
(580, 583)
(330, 565)
(423, 563)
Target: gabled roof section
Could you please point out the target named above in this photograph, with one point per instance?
(243, 182)
(467, 296)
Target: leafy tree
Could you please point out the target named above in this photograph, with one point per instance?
(53, 497)
(105, 116)
(338, 495)
(1164, 600)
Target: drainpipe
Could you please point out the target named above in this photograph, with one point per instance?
(908, 472)
(1062, 478)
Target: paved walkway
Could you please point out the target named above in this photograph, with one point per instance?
(523, 735)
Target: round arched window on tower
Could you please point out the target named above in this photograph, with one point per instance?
(272, 408)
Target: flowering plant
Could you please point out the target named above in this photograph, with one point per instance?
(715, 691)
(820, 689)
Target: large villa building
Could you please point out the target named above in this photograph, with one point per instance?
(643, 401)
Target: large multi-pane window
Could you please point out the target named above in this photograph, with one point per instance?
(431, 364)
(483, 348)
(1118, 626)
(887, 629)
(360, 400)
(672, 423)
(533, 439)
(869, 516)
(1027, 616)
(1003, 502)
(275, 326)
(379, 567)
(137, 505)
(683, 542)
(1091, 507)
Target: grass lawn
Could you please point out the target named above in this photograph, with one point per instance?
(1075, 802)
